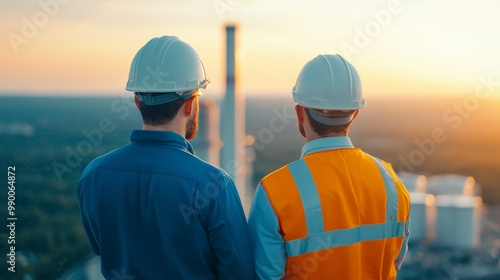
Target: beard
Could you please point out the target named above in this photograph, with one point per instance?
(192, 126)
(301, 130)
(191, 129)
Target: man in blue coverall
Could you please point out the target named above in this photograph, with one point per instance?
(151, 209)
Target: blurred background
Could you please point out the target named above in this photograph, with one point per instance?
(430, 74)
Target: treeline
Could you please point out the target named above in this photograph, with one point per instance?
(49, 234)
(49, 237)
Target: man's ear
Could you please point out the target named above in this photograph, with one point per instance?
(300, 113)
(355, 114)
(188, 106)
(137, 101)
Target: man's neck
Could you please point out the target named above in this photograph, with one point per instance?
(314, 136)
(154, 127)
(165, 127)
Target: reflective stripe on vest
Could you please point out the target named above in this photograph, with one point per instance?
(317, 238)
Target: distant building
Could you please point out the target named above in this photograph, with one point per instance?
(17, 128)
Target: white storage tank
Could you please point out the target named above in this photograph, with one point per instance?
(451, 184)
(457, 221)
(418, 216)
(413, 182)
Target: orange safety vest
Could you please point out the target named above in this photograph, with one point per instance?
(342, 214)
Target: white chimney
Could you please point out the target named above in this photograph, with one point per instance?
(233, 121)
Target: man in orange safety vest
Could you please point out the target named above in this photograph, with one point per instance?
(337, 212)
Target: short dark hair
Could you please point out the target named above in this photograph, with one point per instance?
(323, 129)
(159, 114)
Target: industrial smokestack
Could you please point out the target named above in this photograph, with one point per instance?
(207, 142)
(233, 120)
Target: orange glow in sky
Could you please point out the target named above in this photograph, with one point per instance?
(401, 47)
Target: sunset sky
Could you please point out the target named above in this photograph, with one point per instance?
(402, 47)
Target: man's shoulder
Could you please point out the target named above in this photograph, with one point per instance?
(168, 162)
(208, 172)
(111, 155)
(110, 158)
(278, 173)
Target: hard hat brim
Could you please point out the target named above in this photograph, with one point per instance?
(150, 99)
(337, 121)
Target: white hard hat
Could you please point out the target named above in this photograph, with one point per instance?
(166, 65)
(329, 82)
